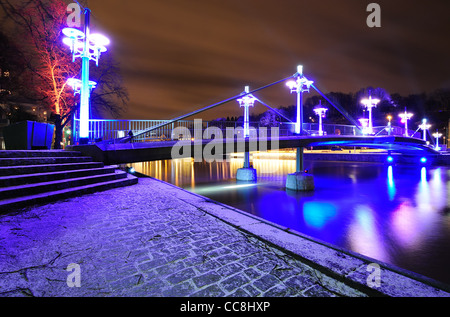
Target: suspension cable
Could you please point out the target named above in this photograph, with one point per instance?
(127, 138)
(274, 110)
(340, 109)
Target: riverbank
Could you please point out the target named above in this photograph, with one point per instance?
(155, 239)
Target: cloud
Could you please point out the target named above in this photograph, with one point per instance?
(186, 54)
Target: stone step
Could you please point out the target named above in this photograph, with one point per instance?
(23, 179)
(32, 189)
(31, 169)
(40, 153)
(17, 161)
(12, 204)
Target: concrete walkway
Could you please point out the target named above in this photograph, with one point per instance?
(154, 239)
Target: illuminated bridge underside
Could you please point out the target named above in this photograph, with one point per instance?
(152, 151)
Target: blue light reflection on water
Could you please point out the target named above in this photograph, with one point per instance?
(396, 214)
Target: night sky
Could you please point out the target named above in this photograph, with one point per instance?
(177, 56)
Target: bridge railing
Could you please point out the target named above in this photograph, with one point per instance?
(104, 130)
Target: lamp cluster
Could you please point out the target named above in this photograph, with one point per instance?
(320, 111)
(300, 85)
(85, 45)
(88, 47)
(248, 100)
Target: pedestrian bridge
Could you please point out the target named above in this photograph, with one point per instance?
(125, 141)
(122, 153)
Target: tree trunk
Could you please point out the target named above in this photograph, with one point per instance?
(58, 132)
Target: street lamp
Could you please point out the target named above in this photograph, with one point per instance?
(437, 135)
(88, 47)
(369, 104)
(389, 126)
(248, 100)
(364, 123)
(405, 117)
(424, 127)
(300, 85)
(320, 111)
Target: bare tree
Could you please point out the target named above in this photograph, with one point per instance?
(49, 63)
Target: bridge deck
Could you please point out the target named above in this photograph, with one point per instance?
(150, 151)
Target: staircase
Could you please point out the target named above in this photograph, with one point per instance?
(35, 177)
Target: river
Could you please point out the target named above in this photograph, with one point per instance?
(395, 214)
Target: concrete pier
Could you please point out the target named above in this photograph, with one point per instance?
(247, 173)
(154, 239)
(300, 181)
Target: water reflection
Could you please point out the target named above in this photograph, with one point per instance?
(364, 234)
(391, 183)
(396, 214)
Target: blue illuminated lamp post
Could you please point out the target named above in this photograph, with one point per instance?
(437, 135)
(300, 85)
(246, 101)
(88, 47)
(320, 111)
(424, 127)
(301, 180)
(370, 103)
(247, 173)
(389, 126)
(405, 117)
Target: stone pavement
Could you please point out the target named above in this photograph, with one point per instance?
(156, 240)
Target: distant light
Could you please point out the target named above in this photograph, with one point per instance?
(390, 159)
(320, 111)
(423, 160)
(131, 170)
(364, 123)
(369, 103)
(437, 135)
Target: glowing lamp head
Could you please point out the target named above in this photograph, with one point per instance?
(76, 84)
(248, 100)
(99, 40)
(291, 84)
(364, 122)
(320, 111)
(423, 160)
(405, 116)
(73, 33)
(424, 126)
(390, 159)
(370, 102)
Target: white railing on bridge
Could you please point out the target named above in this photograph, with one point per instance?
(103, 130)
